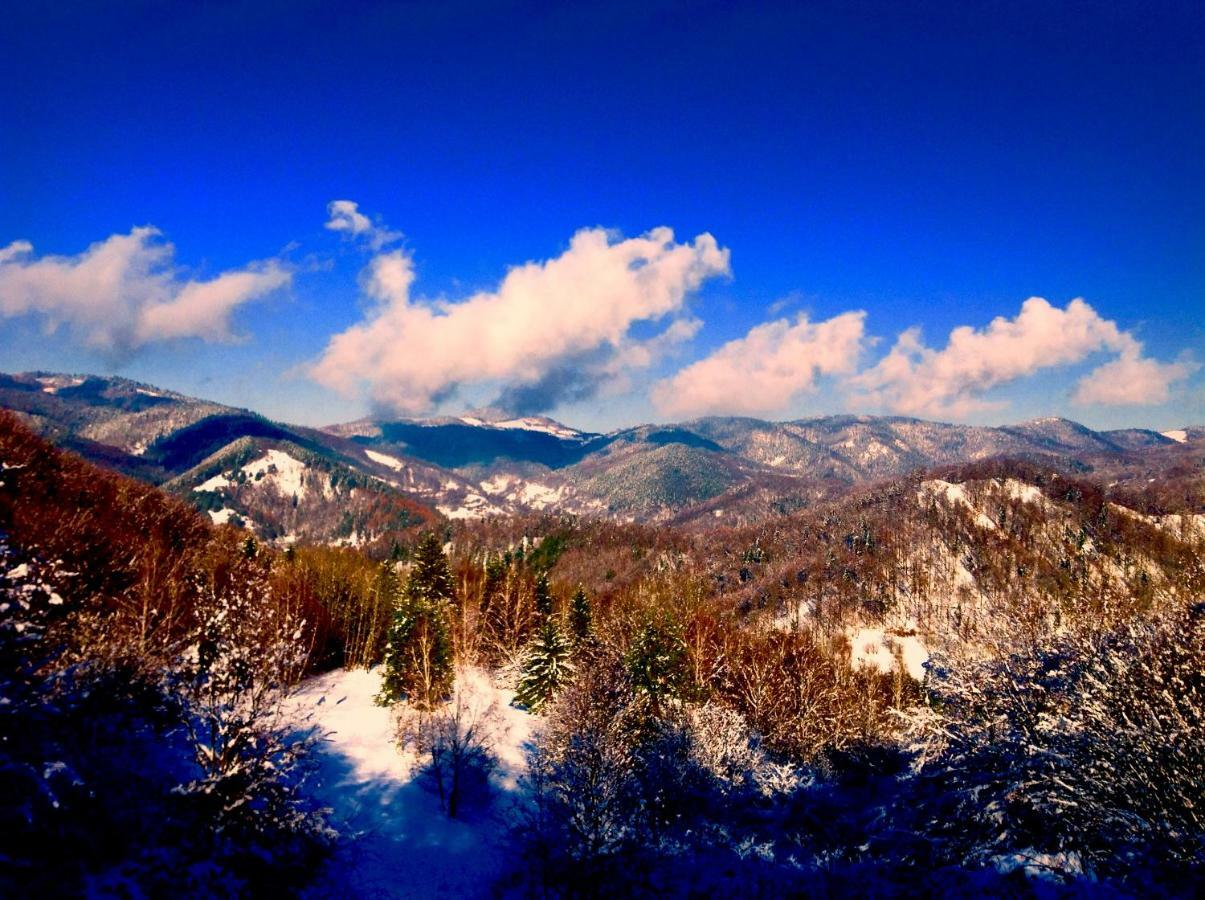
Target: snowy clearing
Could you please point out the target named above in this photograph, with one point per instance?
(398, 842)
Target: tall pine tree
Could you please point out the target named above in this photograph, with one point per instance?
(430, 578)
(580, 616)
(546, 668)
(543, 596)
(656, 662)
(419, 658)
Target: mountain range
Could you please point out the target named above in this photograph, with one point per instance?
(359, 482)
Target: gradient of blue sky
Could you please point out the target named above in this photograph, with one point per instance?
(933, 164)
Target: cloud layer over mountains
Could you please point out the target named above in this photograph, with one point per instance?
(587, 321)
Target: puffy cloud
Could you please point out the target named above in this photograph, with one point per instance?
(1132, 380)
(762, 372)
(345, 217)
(125, 291)
(551, 330)
(914, 378)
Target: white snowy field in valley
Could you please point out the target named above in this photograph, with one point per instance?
(396, 840)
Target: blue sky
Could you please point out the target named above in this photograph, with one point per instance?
(869, 167)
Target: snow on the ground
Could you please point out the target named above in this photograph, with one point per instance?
(473, 506)
(539, 424)
(1179, 435)
(287, 475)
(275, 467)
(955, 495)
(1189, 526)
(498, 484)
(222, 516)
(397, 841)
(1026, 493)
(51, 384)
(875, 648)
(216, 483)
(533, 494)
(540, 496)
(385, 459)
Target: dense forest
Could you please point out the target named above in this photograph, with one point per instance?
(981, 678)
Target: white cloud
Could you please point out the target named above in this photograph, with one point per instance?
(1132, 380)
(550, 329)
(761, 373)
(345, 217)
(917, 379)
(125, 291)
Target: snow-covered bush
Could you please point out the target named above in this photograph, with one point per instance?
(1089, 750)
(232, 680)
(31, 779)
(722, 743)
(583, 775)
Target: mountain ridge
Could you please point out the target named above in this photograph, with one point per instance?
(714, 470)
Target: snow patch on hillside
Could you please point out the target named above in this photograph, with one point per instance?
(498, 484)
(1179, 435)
(473, 506)
(222, 516)
(52, 384)
(1026, 493)
(280, 469)
(216, 483)
(385, 459)
(954, 495)
(547, 426)
(958, 495)
(1190, 526)
(881, 650)
(540, 496)
(531, 494)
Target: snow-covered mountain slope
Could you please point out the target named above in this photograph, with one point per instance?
(711, 471)
(286, 492)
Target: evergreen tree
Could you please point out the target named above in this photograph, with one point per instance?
(543, 596)
(580, 616)
(495, 582)
(546, 668)
(430, 577)
(656, 662)
(418, 657)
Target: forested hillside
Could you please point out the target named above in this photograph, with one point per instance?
(805, 704)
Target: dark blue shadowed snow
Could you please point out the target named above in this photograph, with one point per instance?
(396, 839)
